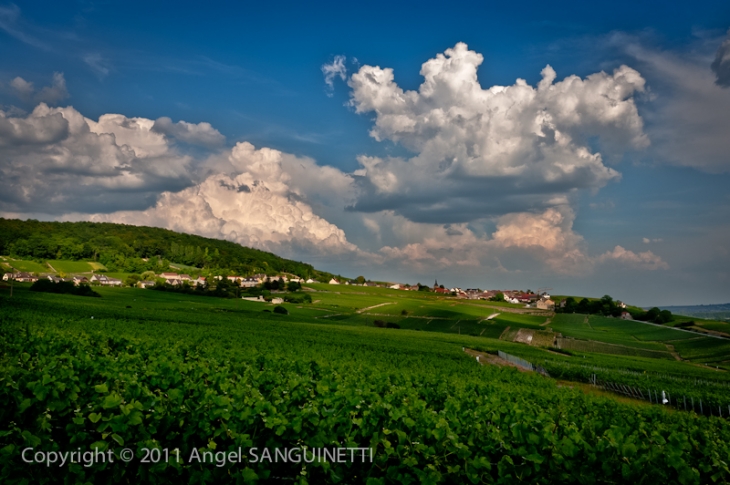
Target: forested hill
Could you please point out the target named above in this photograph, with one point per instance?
(122, 247)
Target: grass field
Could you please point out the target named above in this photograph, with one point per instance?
(628, 333)
(27, 266)
(71, 267)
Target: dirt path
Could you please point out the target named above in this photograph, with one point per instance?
(503, 333)
(484, 358)
(670, 349)
(547, 322)
(374, 306)
(409, 316)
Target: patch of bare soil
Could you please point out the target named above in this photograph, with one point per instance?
(485, 358)
(524, 336)
(670, 349)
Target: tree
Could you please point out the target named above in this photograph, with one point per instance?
(293, 286)
(132, 280)
(360, 280)
(498, 297)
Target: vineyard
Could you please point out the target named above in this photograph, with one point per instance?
(149, 370)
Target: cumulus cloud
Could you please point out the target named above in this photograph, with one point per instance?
(55, 160)
(49, 94)
(721, 64)
(195, 134)
(521, 242)
(334, 69)
(646, 260)
(23, 89)
(259, 206)
(482, 152)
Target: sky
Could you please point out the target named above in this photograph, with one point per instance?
(579, 147)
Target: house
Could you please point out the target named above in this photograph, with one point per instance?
(80, 280)
(395, 286)
(199, 281)
(98, 278)
(145, 284)
(310, 280)
(620, 304)
(333, 281)
(55, 279)
(626, 316)
(104, 280)
(20, 277)
(442, 291)
(235, 279)
(277, 301)
(185, 277)
(545, 304)
(173, 281)
(250, 282)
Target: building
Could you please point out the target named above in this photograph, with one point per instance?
(20, 277)
(333, 281)
(626, 316)
(249, 282)
(104, 280)
(545, 304)
(80, 280)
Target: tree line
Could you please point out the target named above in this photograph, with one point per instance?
(136, 249)
(609, 307)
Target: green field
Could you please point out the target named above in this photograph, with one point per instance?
(628, 333)
(27, 266)
(146, 369)
(71, 267)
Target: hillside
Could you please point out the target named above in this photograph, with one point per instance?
(134, 249)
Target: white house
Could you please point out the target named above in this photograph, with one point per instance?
(334, 282)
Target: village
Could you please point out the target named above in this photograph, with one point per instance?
(539, 300)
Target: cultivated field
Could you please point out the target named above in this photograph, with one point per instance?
(144, 369)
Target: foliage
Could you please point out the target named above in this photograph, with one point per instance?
(162, 376)
(498, 297)
(63, 287)
(281, 310)
(136, 249)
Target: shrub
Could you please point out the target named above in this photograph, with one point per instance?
(281, 310)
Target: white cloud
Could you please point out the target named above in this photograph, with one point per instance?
(22, 88)
(196, 134)
(259, 206)
(55, 160)
(646, 260)
(646, 240)
(521, 242)
(48, 94)
(526, 147)
(334, 69)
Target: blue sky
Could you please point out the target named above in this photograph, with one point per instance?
(253, 74)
